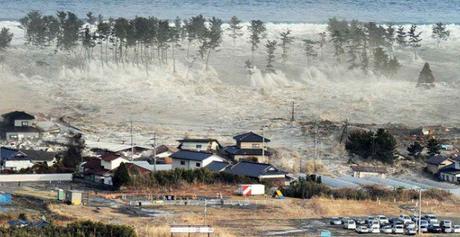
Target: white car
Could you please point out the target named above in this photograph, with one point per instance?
(335, 221)
(424, 226)
(410, 225)
(383, 220)
(373, 223)
(456, 229)
(405, 218)
(362, 229)
(432, 219)
(349, 224)
(386, 229)
(398, 229)
(410, 231)
(446, 223)
(374, 229)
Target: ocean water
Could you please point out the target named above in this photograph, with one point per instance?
(314, 11)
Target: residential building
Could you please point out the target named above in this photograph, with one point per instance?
(250, 147)
(368, 171)
(193, 159)
(111, 161)
(256, 170)
(15, 160)
(199, 144)
(19, 125)
(218, 166)
(451, 173)
(437, 162)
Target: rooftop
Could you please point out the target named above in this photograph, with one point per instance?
(436, 160)
(110, 157)
(217, 166)
(250, 137)
(197, 140)
(252, 169)
(234, 150)
(191, 155)
(18, 115)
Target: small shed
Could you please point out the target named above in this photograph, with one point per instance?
(73, 197)
(60, 194)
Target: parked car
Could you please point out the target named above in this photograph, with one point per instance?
(432, 219)
(374, 229)
(373, 223)
(414, 218)
(446, 226)
(424, 226)
(398, 229)
(335, 221)
(362, 229)
(360, 221)
(405, 218)
(410, 225)
(349, 224)
(410, 231)
(386, 229)
(456, 229)
(434, 228)
(383, 220)
(395, 221)
(371, 219)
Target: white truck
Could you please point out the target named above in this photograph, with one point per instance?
(250, 189)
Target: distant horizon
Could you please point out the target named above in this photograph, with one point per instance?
(275, 11)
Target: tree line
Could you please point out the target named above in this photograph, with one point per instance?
(144, 41)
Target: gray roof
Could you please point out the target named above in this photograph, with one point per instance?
(252, 169)
(217, 166)
(18, 115)
(197, 140)
(436, 159)
(191, 155)
(37, 155)
(250, 137)
(450, 169)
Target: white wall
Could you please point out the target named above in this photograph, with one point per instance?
(113, 164)
(17, 164)
(34, 177)
(192, 146)
(21, 136)
(191, 164)
(18, 123)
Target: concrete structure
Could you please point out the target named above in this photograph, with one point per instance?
(368, 171)
(199, 144)
(111, 161)
(193, 160)
(35, 177)
(250, 147)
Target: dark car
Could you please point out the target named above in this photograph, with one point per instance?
(434, 228)
(395, 221)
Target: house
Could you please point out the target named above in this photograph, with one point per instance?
(15, 160)
(437, 162)
(92, 170)
(217, 166)
(199, 144)
(193, 159)
(451, 173)
(19, 125)
(111, 161)
(256, 170)
(249, 146)
(368, 171)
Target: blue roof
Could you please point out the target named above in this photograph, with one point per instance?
(217, 166)
(191, 155)
(235, 150)
(7, 153)
(252, 169)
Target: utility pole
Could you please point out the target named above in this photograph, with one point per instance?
(154, 152)
(132, 144)
(263, 145)
(293, 112)
(419, 210)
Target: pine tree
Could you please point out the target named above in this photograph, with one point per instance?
(390, 37)
(392, 67)
(338, 31)
(5, 38)
(356, 39)
(414, 39)
(426, 77)
(380, 60)
(415, 149)
(235, 28)
(90, 18)
(401, 37)
(270, 47)
(121, 176)
(364, 59)
(286, 40)
(309, 50)
(214, 38)
(433, 146)
(256, 29)
(440, 32)
(322, 42)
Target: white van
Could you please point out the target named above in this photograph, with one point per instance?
(349, 224)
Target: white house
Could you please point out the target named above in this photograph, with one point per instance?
(193, 159)
(249, 147)
(110, 161)
(199, 144)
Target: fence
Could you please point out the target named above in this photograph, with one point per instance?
(35, 177)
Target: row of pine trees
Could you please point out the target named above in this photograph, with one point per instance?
(144, 41)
